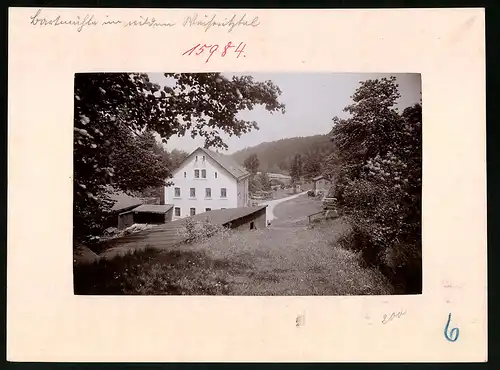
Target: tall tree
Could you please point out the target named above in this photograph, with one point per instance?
(252, 164)
(312, 163)
(112, 110)
(296, 168)
(265, 183)
(378, 164)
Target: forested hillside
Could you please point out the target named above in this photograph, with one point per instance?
(277, 156)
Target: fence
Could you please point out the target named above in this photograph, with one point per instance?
(316, 216)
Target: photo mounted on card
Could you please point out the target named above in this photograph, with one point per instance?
(242, 193)
(247, 184)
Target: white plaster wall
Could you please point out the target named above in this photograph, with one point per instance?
(243, 192)
(200, 202)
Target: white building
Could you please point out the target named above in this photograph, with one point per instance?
(207, 181)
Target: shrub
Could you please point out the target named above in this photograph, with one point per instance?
(197, 231)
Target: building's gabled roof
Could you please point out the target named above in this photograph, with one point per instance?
(224, 161)
(318, 178)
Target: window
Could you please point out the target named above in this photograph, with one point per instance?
(177, 211)
(196, 174)
(196, 159)
(252, 225)
(185, 174)
(223, 193)
(208, 193)
(177, 192)
(222, 208)
(192, 193)
(215, 174)
(204, 174)
(192, 211)
(208, 209)
(203, 158)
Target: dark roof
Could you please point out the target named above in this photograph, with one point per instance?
(123, 201)
(225, 161)
(224, 216)
(153, 208)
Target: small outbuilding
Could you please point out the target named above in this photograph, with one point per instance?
(242, 218)
(321, 185)
(146, 214)
(123, 203)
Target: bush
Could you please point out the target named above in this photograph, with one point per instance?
(198, 231)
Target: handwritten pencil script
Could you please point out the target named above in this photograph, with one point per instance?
(44, 19)
(393, 316)
(207, 22)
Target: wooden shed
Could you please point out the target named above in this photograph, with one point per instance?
(146, 214)
(321, 185)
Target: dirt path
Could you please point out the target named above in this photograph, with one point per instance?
(271, 204)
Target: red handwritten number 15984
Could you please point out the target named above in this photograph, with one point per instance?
(199, 49)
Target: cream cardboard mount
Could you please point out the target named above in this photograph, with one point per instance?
(46, 322)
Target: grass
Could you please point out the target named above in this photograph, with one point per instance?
(151, 272)
(406, 279)
(287, 261)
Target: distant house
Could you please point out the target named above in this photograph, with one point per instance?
(207, 181)
(285, 179)
(321, 185)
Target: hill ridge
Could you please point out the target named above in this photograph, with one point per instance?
(275, 156)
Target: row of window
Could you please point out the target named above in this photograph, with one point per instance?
(203, 174)
(208, 192)
(192, 211)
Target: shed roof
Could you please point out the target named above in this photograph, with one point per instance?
(224, 216)
(153, 208)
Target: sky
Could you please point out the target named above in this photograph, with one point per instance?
(311, 101)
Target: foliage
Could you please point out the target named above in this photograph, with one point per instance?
(151, 271)
(171, 160)
(254, 184)
(265, 183)
(252, 164)
(296, 168)
(116, 114)
(194, 231)
(312, 163)
(377, 170)
(277, 156)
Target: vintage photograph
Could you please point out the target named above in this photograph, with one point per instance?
(247, 184)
